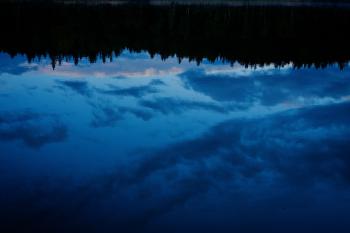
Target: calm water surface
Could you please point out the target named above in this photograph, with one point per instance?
(145, 145)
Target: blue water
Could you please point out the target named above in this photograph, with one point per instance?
(146, 145)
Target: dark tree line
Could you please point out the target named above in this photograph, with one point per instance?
(252, 36)
(235, 2)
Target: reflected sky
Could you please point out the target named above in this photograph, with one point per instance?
(146, 145)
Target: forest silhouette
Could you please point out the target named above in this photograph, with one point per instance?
(252, 36)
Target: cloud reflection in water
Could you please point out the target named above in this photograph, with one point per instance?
(256, 149)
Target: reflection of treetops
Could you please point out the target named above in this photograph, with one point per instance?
(252, 36)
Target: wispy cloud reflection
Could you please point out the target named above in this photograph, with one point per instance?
(33, 129)
(138, 91)
(255, 148)
(105, 115)
(241, 165)
(237, 155)
(301, 87)
(175, 106)
(80, 87)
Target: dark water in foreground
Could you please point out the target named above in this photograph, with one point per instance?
(243, 142)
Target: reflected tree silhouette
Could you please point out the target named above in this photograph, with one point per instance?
(252, 36)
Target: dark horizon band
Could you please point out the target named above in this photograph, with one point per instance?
(198, 2)
(252, 36)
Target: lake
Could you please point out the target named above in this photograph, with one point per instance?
(174, 118)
